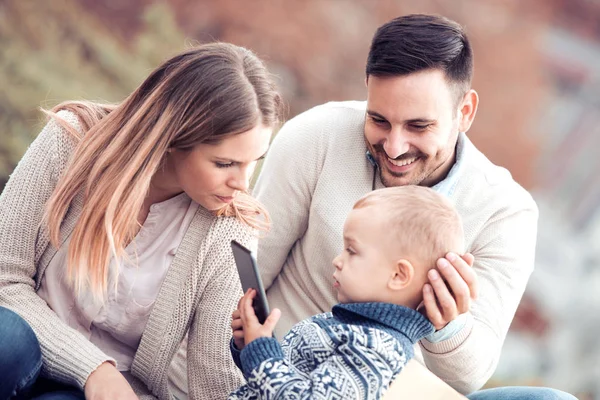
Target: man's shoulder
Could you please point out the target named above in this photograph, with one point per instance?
(350, 107)
(329, 118)
(483, 181)
(320, 128)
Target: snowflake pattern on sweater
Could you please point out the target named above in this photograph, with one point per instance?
(353, 352)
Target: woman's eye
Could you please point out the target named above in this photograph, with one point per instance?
(350, 251)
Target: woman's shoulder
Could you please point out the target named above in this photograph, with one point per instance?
(226, 229)
(54, 144)
(62, 132)
(215, 234)
(66, 127)
(218, 231)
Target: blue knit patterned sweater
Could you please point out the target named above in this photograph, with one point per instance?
(353, 352)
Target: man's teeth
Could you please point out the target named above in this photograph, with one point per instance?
(402, 163)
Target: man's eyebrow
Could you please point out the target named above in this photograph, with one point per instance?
(410, 121)
(376, 114)
(421, 121)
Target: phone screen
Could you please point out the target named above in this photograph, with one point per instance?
(250, 279)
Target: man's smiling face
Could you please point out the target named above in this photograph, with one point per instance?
(411, 127)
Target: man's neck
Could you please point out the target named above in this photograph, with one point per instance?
(442, 171)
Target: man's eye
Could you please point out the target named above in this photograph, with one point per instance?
(420, 127)
(350, 251)
(379, 121)
(223, 165)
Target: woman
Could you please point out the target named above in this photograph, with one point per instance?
(116, 228)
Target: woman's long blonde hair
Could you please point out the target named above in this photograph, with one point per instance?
(199, 96)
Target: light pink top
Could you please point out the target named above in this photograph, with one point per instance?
(116, 326)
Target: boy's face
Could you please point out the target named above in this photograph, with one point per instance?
(365, 266)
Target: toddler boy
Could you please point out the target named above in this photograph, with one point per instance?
(392, 237)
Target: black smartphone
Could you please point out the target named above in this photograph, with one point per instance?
(250, 278)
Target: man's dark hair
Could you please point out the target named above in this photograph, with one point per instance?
(418, 42)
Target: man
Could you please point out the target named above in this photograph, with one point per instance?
(410, 131)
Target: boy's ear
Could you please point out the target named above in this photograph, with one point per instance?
(402, 275)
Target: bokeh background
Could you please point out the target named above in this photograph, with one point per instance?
(537, 70)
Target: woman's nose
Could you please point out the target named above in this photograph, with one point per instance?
(241, 181)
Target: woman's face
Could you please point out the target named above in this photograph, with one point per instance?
(213, 174)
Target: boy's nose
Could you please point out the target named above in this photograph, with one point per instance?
(337, 263)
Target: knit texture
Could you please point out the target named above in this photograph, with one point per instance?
(316, 170)
(198, 294)
(353, 352)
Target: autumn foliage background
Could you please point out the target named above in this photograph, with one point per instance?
(537, 71)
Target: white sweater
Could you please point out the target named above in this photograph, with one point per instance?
(315, 171)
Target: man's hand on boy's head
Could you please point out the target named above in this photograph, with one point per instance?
(251, 327)
(451, 288)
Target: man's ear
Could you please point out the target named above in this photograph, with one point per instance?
(468, 109)
(402, 275)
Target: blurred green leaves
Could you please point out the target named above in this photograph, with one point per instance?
(56, 51)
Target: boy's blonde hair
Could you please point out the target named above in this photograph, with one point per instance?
(426, 224)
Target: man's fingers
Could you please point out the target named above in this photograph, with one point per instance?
(456, 285)
(469, 259)
(431, 308)
(464, 267)
(443, 296)
(451, 289)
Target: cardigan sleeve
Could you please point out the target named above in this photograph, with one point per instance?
(361, 368)
(504, 258)
(212, 373)
(66, 354)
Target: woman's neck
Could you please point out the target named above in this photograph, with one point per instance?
(163, 185)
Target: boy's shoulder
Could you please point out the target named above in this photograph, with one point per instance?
(311, 323)
(323, 325)
(335, 328)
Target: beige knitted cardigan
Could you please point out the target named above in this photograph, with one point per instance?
(199, 292)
